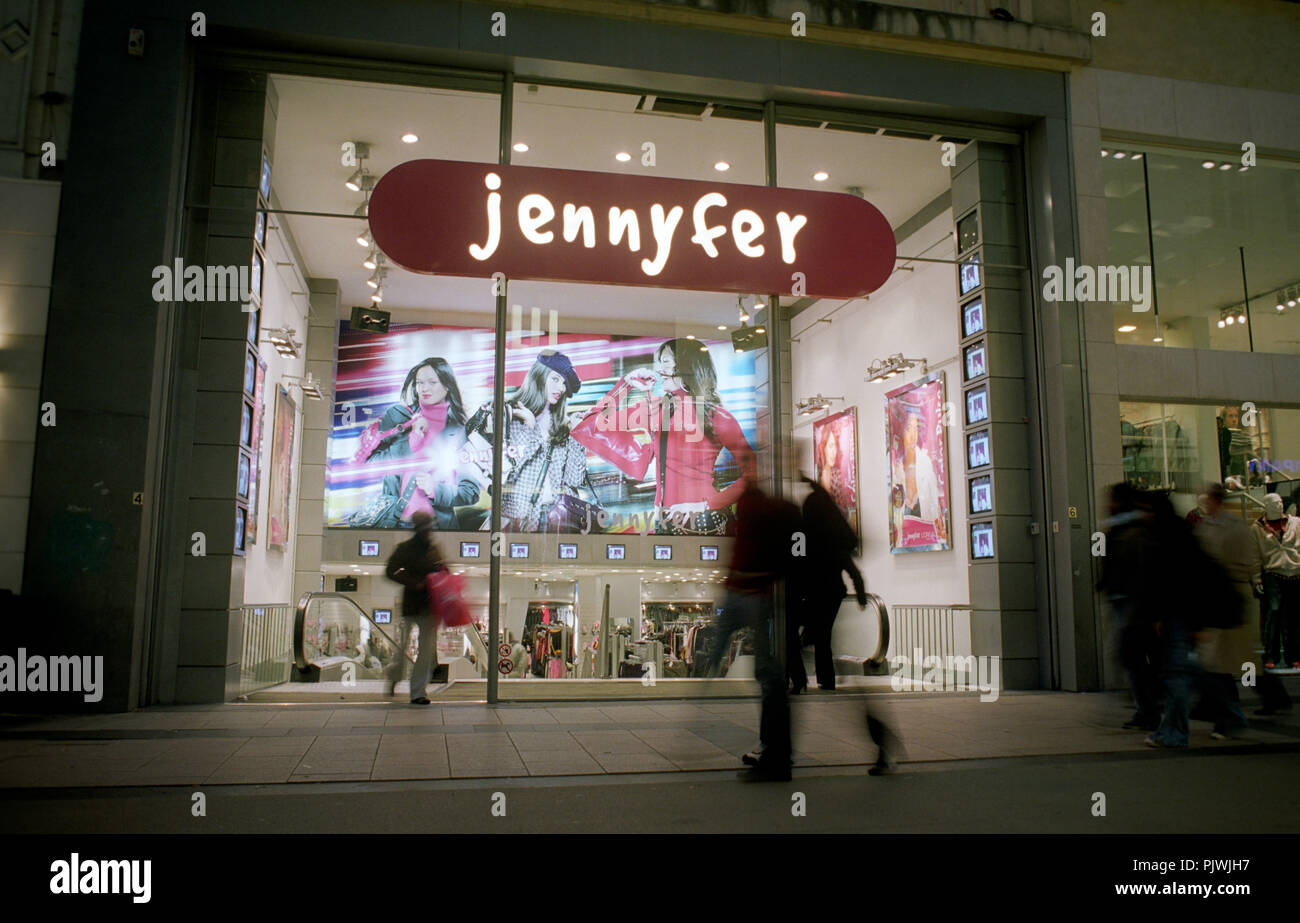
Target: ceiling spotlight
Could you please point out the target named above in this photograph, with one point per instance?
(365, 240)
(1127, 328)
(1222, 324)
(519, 147)
(622, 156)
(722, 326)
(1120, 155)
(760, 330)
(690, 336)
(1241, 318)
(722, 166)
(377, 277)
(378, 295)
(1137, 156)
(1243, 168)
(1157, 339)
(821, 176)
(358, 180)
(372, 260)
(1225, 166)
(362, 210)
(1291, 301)
(410, 137)
(1105, 153)
(1231, 320)
(1208, 164)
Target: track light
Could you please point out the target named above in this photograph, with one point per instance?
(377, 277)
(364, 239)
(882, 369)
(310, 385)
(282, 339)
(816, 404)
(378, 295)
(372, 260)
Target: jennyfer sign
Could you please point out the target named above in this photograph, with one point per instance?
(472, 219)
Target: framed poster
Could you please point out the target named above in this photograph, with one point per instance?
(916, 446)
(835, 460)
(282, 431)
(255, 475)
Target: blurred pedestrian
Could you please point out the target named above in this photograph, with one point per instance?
(410, 565)
(1277, 540)
(761, 555)
(1127, 581)
(1225, 652)
(831, 543)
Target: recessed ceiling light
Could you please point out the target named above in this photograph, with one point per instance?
(622, 156)
(821, 176)
(722, 166)
(1105, 153)
(1208, 164)
(410, 137)
(1127, 328)
(690, 336)
(520, 146)
(1225, 166)
(722, 326)
(1157, 339)
(1137, 156)
(1120, 155)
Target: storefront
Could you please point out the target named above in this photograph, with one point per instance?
(892, 353)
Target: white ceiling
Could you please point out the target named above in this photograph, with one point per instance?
(564, 127)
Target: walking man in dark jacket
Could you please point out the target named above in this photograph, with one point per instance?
(831, 543)
(411, 563)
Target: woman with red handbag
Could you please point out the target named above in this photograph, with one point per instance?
(411, 564)
(688, 429)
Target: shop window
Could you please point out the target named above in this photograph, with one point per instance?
(1224, 236)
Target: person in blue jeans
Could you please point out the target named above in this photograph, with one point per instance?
(760, 557)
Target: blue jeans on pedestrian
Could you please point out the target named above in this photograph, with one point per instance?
(1280, 631)
(1178, 671)
(426, 658)
(754, 611)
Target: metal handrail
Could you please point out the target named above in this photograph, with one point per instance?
(882, 639)
(300, 627)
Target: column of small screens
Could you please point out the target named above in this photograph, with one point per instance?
(253, 308)
(976, 412)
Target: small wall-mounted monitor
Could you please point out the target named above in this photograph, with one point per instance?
(368, 549)
(615, 552)
(518, 549)
(981, 540)
(708, 552)
(977, 449)
(976, 364)
(469, 549)
(968, 232)
(382, 616)
(977, 405)
(981, 494)
(568, 551)
(969, 269)
(345, 584)
(663, 552)
(972, 318)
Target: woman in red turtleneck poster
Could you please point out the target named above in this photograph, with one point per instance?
(426, 429)
(685, 429)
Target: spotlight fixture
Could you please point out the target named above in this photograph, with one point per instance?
(377, 277)
(364, 239)
(722, 326)
(622, 156)
(360, 180)
(816, 404)
(1225, 166)
(410, 137)
(1127, 328)
(881, 369)
(1120, 155)
(310, 386)
(821, 176)
(282, 339)
(1291, 299)
(1208, 164)
(1105, 153)
(362, 210)
(519, 147)
(1135, 156)
(378, 295)
(722, 166)
(1241, 318)
(372, 260)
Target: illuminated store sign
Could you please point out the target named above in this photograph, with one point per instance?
(471, 219)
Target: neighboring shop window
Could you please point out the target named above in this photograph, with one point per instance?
(1225, 237)
(1182, 447)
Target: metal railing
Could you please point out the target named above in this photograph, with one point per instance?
(930, 629)
(267, 649)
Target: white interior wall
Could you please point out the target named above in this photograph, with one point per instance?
(914, 313)
(268, 574)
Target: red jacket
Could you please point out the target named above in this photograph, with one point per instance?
(687, 476)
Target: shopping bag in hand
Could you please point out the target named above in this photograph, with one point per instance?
(447, 599)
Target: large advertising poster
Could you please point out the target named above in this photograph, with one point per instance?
(917, 448)
(835, 456)
(277, 515)
(603, 433)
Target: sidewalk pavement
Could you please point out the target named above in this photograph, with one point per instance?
(238, 744)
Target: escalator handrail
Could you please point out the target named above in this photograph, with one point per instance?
(882, 639)
(300, 627)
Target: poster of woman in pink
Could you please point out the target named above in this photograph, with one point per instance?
(835, 458)
(918, 467)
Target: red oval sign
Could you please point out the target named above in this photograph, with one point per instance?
(471, 219)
